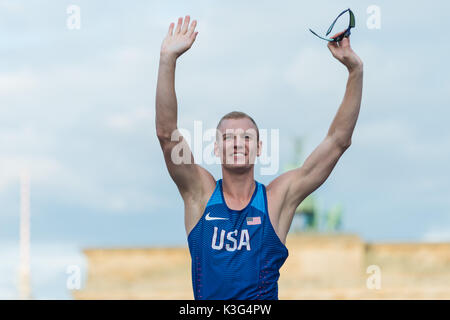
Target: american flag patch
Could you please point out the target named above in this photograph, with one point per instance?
(251, 221)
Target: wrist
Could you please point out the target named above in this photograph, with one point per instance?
(167, 57)
(356, 69)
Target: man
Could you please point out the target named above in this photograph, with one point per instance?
(236, 226)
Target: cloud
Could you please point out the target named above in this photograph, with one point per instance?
(48, 266)
(128, 55)
(24, 139)
(382, 133)
(40, 168)
(439, 234)
(17, 82)
(11, 6)
(58, 183)
(132, 120)
(400, 137)
(313, 72)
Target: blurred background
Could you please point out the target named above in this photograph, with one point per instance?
(79, 154)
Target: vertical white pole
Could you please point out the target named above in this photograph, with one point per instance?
(24, 269)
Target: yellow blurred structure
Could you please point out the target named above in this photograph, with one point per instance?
(318, 267)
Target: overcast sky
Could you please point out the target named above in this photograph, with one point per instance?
(77, 110)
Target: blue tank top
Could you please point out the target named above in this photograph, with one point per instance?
(236, 254)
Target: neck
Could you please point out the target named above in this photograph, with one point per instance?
(239, 186)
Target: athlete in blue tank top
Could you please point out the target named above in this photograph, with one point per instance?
(236, 226)
(236, 254)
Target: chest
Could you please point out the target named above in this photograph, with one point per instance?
(233, 231)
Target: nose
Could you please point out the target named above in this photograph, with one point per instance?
(239, 143)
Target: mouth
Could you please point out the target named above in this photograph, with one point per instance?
(239, 154)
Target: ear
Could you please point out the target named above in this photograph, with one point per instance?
(258, 153)
(216, 149)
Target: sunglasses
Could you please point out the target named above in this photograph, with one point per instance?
(343, 35)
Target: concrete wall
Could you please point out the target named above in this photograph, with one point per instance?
(318, 267)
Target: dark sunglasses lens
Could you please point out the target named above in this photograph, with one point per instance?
(352, 19)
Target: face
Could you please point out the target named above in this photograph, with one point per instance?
(237, 144)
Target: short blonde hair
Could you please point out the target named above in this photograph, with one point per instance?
(239, 115)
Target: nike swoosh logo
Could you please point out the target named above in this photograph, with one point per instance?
(214, 218)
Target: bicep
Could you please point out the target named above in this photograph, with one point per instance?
(315, 170)
(288, 190)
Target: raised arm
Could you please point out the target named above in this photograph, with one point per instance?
(295, 185)
(188, 176)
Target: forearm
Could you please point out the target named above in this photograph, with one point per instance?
(166, 100)
(345, 120)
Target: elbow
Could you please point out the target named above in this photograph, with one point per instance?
(344, 144)
(166, 133)
(163, 135)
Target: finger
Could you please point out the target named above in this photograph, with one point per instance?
(333, 46)
(338, 34)
(192, 28)
(194, 36)
(170, 32)
(185, 24)
(177, 30)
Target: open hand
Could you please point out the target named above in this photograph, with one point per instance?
(176, 43)
(343, 52)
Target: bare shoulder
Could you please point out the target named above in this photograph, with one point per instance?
(206, 184)
(277, 191)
